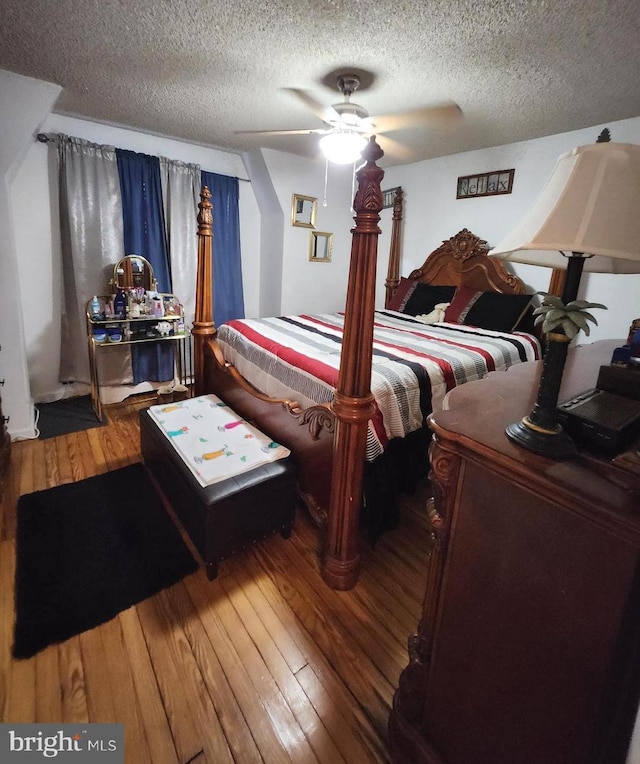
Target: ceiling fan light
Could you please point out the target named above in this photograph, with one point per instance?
(342, 148)
(350, 120)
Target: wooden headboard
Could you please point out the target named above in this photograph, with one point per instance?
(463, 260)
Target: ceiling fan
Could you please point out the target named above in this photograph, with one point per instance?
(347, 124)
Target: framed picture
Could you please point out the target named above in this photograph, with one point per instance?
(389, 197)
(303, 211)
(485, 184)
(320, 247)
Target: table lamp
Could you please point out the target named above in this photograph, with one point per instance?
(587, 218)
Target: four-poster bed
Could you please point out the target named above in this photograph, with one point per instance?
(332, 421)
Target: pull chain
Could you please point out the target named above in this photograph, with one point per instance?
(326, 176)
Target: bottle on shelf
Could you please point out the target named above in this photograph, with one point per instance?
(157, 306)
(120, 304)
(95, 309)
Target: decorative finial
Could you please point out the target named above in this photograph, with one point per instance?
(372, 151)
(205, 214)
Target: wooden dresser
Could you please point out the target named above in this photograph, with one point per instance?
(528, 649)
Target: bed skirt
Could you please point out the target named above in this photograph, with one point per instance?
(398, 471)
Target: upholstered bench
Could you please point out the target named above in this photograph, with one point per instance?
(227, 515)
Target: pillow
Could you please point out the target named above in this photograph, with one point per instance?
(425, 297)
(401, 295)
(488, 310)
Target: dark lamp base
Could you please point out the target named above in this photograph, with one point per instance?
(555, 444)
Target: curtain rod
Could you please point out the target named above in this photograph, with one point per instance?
(44, 138)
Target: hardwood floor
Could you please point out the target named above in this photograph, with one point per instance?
(266, 663)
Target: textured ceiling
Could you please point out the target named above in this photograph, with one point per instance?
(200, 70)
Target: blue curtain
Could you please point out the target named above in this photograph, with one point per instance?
(228, 298)
(144, 234)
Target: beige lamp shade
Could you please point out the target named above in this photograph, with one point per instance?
(591, 206)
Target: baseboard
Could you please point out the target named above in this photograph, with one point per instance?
(25, 433)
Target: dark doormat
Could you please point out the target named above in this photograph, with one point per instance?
(86, 551)
(66, 416)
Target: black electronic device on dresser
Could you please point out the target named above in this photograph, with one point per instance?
(606, 417)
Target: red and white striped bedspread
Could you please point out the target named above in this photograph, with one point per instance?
(414, 364)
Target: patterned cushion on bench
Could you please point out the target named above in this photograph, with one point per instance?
(213, 441)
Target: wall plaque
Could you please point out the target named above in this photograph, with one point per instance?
(485, 184)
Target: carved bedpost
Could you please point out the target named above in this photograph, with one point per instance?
(354, 404)
(393, 269)
(556, 282)
(203, 326)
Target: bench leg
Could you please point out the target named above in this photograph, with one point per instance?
(211, 569)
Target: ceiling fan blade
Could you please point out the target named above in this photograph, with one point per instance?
(321, 111)
(307, 131)
(394, 149)
(445, 114)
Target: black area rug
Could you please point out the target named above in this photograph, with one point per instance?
(66, 416)
(88, 550)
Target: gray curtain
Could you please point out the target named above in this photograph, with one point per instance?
(181, 194)
(92, 242)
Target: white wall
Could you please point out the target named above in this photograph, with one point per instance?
(312, 286)
(271, 230)
(24, 103)
(320, 287)
(433, 214)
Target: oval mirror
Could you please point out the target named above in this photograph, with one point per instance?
(134, 271)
